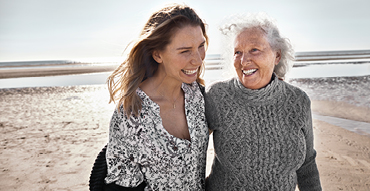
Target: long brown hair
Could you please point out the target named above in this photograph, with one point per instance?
(139, 64)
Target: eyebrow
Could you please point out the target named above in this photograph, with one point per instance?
(187, 48)
(183, 48)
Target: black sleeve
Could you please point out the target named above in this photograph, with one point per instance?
(202, 88)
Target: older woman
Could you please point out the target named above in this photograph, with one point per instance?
(262, 126)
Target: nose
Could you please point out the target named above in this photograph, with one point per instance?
(246, 59)
(197, 59)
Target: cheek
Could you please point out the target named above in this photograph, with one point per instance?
(202, 53)
(236, 63)
(237, 67)
(271, 65)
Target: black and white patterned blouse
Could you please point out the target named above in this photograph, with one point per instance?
(140, 149)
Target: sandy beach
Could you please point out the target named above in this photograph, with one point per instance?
(52, 135)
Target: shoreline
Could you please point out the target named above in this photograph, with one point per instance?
(342, 97)
(71, 68)
(54, 71)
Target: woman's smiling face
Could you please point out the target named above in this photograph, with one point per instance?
(254, 59)
(182, 58)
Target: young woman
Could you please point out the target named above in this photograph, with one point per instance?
(158, 134)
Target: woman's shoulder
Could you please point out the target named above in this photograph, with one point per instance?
(296, 91)
(222, 85)
(193, 87)
(125, 124)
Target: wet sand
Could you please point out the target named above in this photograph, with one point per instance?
(51, 136)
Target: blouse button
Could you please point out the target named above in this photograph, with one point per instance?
(175, 148)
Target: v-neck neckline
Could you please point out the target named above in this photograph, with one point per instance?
(156, 111)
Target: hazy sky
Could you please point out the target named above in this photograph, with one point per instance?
(70, 29)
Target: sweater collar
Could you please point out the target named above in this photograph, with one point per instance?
(265, 94)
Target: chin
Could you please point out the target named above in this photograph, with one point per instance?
(248, 84)
(189, 81)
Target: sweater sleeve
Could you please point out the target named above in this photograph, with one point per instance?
(308, 174)
(211, 109)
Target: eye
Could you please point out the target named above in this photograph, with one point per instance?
(254, 50)
(237, 52)
(185, 51)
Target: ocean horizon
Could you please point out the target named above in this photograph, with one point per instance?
(306, 56)
(39, 73)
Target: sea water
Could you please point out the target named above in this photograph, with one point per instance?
(216, 69)
(309, 71)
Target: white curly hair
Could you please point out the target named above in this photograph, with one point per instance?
(236, 24)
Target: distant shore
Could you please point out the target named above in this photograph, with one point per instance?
(54, 70)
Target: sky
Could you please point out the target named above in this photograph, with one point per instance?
(78, 29)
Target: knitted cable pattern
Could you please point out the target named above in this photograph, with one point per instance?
(263, 138)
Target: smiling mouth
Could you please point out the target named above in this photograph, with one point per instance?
(190, 72)
(249, 72)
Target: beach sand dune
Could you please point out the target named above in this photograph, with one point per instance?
(52, 135)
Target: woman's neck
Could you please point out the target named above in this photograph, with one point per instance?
(162, 86)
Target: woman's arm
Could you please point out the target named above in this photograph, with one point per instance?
(123, 151)
(308, 174)
(212, 115)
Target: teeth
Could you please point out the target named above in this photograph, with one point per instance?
(248, 72)
(189, 72)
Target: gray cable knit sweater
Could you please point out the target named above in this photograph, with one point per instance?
(263, 138)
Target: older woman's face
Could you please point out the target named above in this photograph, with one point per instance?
(254, 59)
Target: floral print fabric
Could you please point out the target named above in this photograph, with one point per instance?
(140, 149)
